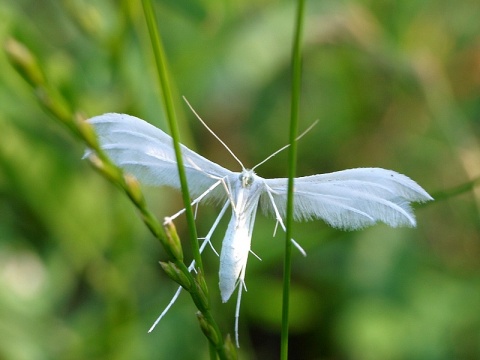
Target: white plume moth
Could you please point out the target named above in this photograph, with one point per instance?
(349, 199)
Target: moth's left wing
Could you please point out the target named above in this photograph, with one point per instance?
(349, 199)
(147, 152)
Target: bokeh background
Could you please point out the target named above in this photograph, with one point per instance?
(393, 84)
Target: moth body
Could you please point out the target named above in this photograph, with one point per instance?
(245, 195)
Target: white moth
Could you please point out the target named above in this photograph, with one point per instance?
(349, 199)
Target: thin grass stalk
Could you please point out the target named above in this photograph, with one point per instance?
(161, 64)
(292, 162)
(166, 94)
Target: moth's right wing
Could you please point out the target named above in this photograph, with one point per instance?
(147, 153)
(349, 199)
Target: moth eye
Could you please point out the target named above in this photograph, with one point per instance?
(246, 179)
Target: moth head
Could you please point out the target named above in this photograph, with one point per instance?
(246, 178)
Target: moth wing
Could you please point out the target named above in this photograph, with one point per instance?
(147, 152)
(349, 199)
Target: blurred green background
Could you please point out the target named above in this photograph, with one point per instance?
(394, 85)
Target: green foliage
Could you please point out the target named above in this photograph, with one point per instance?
(394, 85)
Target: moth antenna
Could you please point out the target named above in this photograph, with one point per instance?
(211, 132)
(286, 146)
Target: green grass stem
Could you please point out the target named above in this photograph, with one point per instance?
(216, 344)
(166, 94)
(292, 159)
